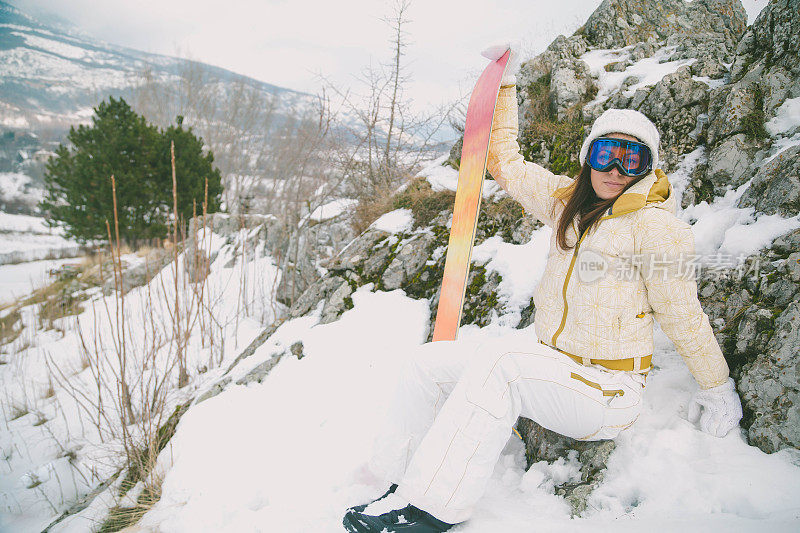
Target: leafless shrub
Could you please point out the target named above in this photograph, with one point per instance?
(135, 354)
(389, 140)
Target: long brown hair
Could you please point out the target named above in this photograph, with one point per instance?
(585, 204)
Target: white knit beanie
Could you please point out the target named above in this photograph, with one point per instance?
(625, 121)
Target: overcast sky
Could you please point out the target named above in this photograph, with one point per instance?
(287, 43)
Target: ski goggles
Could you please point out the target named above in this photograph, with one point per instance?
(631, 158)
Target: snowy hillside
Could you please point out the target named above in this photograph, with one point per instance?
(26, 238)
(52, 77)
(236, 382)
(279, 439)
(62, 436)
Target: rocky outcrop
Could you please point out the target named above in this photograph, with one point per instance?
(298, 250)
(569, 84)
(776, 186)
(729, 163)
(675, 105)
(765, 73)
(562, 48)
(756, 317)
(701, 35)
(306, 247)
(774, 40)
(413, 261)
(770, 385)
(544, 445)
(618, 23)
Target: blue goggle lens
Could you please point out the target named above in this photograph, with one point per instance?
(630, 157)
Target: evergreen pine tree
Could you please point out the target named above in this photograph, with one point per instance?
(121, 143)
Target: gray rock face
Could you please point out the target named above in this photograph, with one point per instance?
(729, 163)
(711, 52)
(776, 186)
(787, 243)
(338, 302)
(765, 72)
(776, 31)
(569, 84)
(753, 332)
(705, 31)
(298, 249)
(414, 262)
(793, 266)
(307, 246)
(770, 386)
(731, 106)
(358, 251)
(618, 23)
(781, 292)
(561, 48)
(544, 445)
(408, 262)
(333, 290)
(778, 85)
(755, 313)
(674, 105)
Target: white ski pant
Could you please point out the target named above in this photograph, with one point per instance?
(442, 450)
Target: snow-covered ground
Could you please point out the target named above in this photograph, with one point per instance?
(330, 210)
(721, 228)
(26, 238)
(15, 186)
(784, 127)
(445, 178)
(61, 431)
(21, 279)
(288, 454)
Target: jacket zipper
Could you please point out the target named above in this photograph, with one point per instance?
(564, 290)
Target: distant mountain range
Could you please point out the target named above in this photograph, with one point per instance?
(51, 76)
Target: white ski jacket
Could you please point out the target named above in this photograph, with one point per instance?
(590, 303)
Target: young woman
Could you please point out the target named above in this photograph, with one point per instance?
(618, 259)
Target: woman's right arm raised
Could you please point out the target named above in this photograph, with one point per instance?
(528, 183)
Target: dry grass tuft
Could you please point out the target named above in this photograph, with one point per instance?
(563, 138)
(423, 201)
(418, 196)
(123, 518)
(369, 209)
(18, 410)
(10, 327)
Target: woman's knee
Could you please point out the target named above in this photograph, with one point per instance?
(493, 359)
(489, 378)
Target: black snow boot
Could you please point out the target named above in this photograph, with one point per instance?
(360, 508)
(409, 519)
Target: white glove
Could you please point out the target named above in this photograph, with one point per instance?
(495, 52)
(721, 408)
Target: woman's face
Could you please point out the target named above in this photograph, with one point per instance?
(609, 184)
